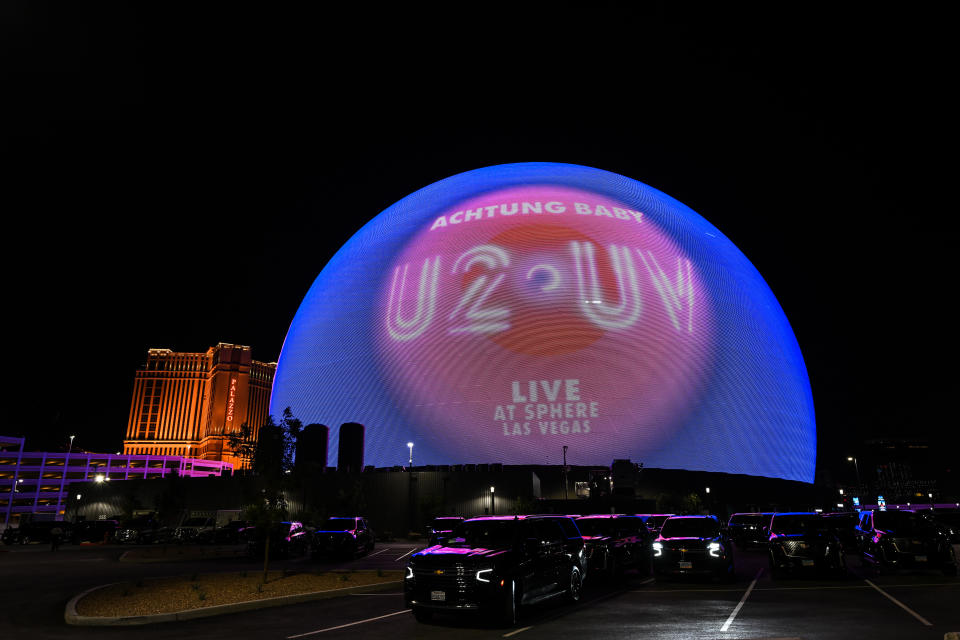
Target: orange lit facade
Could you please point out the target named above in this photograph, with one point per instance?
(187, 403)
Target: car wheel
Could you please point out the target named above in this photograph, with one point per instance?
(950, 569)
(842, 571)
(775, 570)
(25, 540)
(422, 615)
(575, 586)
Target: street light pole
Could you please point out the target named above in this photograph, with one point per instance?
(493, 502)
(857, 469)
(564, 472)
(410, 446)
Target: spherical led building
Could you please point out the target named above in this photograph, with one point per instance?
(503, 313)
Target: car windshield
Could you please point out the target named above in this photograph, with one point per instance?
(489, 534)
(951, 517)
(747, 518)
(656, 521)
(900, 522)
(843, 520)
(341, 524)
(797, 524)
(690, 528)
(446, 524)
(596, 526)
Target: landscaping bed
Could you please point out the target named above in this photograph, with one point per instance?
(153, 596)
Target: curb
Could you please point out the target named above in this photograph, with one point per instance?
(71, 616)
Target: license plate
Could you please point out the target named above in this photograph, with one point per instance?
(920, 558)
(438, 595)
(686, 565)
(807, 563)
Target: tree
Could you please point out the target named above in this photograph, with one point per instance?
(272, 461)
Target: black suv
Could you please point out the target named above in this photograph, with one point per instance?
(348, 537)
(801, 541)
(748, 529)
(616, 543)
(496, 564)
(892, 540)
(693, 545)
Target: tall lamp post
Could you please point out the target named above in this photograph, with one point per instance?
(493, 502)
(410, 446)
(857, 469)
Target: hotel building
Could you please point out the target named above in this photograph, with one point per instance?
(185, 404)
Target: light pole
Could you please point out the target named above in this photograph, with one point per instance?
(493, 502)
(857, 469)
(564, 472)
(410, 446)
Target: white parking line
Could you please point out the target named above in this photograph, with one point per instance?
(901, 605)
(513, 633)
(377, 552)
(736, 610)
(405, 555)
(349, 624)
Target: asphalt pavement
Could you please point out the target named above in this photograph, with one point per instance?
(35, 584)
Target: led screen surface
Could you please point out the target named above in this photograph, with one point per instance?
(503, 313)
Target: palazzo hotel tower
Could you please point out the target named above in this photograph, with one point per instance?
(186, 403)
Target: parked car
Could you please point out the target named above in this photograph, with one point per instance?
(143, 530)
(287, 540)
(348, 537)
(693, 545)
(233, 532)
(94, 531)
(748, 529)
(37, 531)
(892, 540)
(800, 541)
(844, 525)
(190, 528)
(615, 543)
(442, 527)
(494, 564)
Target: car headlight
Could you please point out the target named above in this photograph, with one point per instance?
(483, 575)
(714, 548)
(658, 548)
(409, 575)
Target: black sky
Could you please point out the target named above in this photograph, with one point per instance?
(176, 178)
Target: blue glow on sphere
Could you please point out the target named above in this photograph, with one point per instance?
(502, 313)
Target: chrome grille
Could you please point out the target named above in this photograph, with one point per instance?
(797, 548)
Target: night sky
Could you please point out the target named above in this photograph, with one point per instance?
(176, 179)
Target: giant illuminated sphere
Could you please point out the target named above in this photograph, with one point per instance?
(503, 313)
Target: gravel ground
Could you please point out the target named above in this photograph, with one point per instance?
(167, 595)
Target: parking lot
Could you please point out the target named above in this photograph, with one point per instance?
(37, 584)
